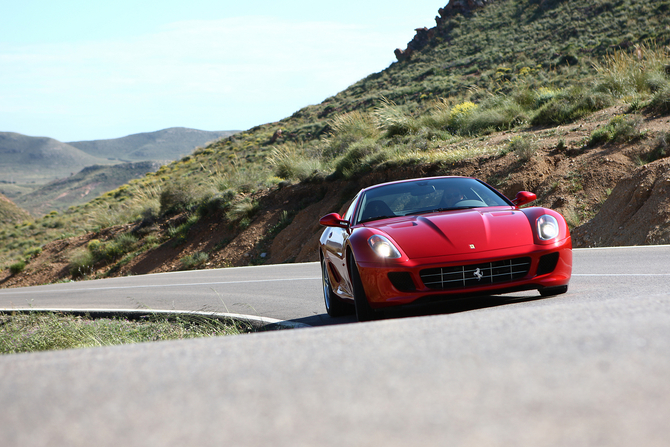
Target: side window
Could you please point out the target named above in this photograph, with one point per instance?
(350, 212)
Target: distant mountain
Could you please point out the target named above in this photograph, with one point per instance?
(10, 213)
(166, 144)
(25, 159)
(28, 164)
(82, 187)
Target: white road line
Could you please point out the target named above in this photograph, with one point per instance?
(263, 321)
(620, 274)
(622, 247)
(152, 286)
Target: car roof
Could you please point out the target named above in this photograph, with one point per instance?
(419, 179)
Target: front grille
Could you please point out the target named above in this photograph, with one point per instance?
(474, 275)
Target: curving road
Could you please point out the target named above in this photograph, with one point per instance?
(586, 368)
(283, 292)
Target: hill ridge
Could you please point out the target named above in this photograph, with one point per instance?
(165, 144)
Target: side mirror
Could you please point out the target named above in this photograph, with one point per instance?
(524, 197)
(333, 220)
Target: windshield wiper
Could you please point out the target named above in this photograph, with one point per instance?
(370, 219)
(439, 210)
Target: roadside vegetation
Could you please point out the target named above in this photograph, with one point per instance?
(537, 64)
(35, 331)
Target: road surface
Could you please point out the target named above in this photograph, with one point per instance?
(586, 368)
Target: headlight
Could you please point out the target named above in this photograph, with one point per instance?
(383, 247)
(547, 227)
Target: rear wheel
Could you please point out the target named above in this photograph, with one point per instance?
(334, 306)
(551, 291)
(363, 310)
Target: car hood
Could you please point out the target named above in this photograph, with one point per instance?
(457, 232)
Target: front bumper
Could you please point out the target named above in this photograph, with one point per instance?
(391, 284)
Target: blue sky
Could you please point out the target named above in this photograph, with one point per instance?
(85, 70)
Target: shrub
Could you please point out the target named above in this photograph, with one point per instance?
(81, 263)
(178, 197)
(125, 241)
(32, 252)
(543, 96)
(618, 129)
(285, 219)
(357, 152)
(659, 150)
(180, 232)
(657, 81)
(506, 116)
(148, 216)
(194, 260)
(522, 147)
(111, 250)
(346, 129)
(395, 120)
(569, 106)
(244, 209)
(150, 242)
(211, 205)
(632, 72)
(289, 163)
(660, 102)
(17, 267)
(439, 115)
(459, 114)
(94, 246)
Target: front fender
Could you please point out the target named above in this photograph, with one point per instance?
(533, 213)
(358, 245)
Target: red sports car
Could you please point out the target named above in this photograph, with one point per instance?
(430, 239)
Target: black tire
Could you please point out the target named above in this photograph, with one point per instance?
(334, 305)
(363, 310)
(551, 291)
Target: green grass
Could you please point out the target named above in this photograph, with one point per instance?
(53, 331)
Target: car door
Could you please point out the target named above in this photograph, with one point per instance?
(335, 242)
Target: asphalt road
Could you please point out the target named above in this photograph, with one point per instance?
(587, 368)
(284, 292)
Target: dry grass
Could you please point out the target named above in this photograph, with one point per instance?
(53, 331)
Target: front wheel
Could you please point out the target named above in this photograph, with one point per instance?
(334, 306)
(363, 310)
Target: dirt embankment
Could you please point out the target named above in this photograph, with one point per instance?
(604, 192)
(636, 213)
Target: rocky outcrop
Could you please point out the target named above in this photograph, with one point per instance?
(425, 35)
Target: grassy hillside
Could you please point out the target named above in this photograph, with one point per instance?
(528, 67)
(166, 144)
(10, 213)
(80, 188)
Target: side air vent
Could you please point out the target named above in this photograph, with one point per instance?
(547, 264)
(402, 281)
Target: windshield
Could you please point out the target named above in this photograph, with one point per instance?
(426, 196)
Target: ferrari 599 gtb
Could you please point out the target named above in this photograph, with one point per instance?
(432, 239)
